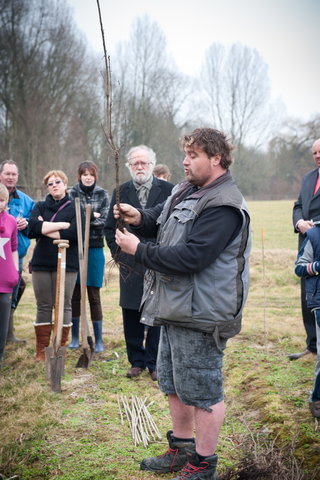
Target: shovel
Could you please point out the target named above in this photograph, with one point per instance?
(86, 339)
(55, 354)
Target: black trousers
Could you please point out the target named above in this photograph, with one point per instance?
(308, 320)
(94, 302)
(141, 341)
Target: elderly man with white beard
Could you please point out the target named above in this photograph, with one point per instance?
(144, 190)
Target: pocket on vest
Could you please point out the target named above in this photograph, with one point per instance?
(175, 298)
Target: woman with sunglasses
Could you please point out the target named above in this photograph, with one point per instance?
(51, 219)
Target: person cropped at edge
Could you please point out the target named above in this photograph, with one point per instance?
(89, 193)
(305, 211)
(19, 206)
(308, 266)
(196, 287)
(9, 265)
(142, 191)
(52, 219)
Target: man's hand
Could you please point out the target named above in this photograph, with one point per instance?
(21, 223)
(304, 225)
(127, 241)
(128, 213)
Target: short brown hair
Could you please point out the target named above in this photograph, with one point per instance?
(88, 165)
(162, 169)
(56, 173)
(9, 162)
(212, 142)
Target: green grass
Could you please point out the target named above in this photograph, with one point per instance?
(78, 434)
(272, 225)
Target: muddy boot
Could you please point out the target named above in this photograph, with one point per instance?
(64, 336)
(173, 460)
(97, 328)
(43, 333)
(11, 338)
(75, 333)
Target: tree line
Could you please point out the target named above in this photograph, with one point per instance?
(52, 96)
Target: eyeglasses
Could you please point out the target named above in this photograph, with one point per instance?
(55, 182)
(136, 164)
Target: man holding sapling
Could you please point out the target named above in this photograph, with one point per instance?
(195, 287)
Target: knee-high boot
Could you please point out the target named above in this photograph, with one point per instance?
(97, 328)
(43, 333)
(65, 335)
(11, 338)
(75, 333)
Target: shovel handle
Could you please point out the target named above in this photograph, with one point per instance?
(60, 289)
(83, 279)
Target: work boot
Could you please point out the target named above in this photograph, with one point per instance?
(65, 335)
(176, 457)
(43, 333)
(97, 328)
(11, 338)
(199, 470)
(75, 333)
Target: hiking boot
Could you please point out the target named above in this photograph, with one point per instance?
(196, 470)
(173, 459)
(315, 408)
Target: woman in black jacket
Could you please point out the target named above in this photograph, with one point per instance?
(52, 219)
(90, 193)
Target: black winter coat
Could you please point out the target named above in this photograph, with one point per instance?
(45, 254)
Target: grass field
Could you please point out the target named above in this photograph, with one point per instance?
(78, 435)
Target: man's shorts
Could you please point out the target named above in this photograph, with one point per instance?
(189, 364)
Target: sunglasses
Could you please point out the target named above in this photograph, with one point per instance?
(55, 182)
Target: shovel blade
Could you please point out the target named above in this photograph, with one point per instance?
(84, 359)
(55, 366)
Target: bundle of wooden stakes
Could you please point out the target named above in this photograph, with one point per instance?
(142, 426)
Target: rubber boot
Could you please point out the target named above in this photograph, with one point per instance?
(65, 335)
(97, 328)
(75, 333)
(11, 338)
(43, 333)
(3, 336)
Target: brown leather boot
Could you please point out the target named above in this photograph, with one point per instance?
(65, 335)
(43, 333)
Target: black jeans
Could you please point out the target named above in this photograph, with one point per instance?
(5, 308)
(141, 341)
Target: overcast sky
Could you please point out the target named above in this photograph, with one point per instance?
(285, 32)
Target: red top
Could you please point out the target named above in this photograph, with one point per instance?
(9, 276)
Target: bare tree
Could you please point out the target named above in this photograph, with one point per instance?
(149, 92)
(49, 110)
(236, 91)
